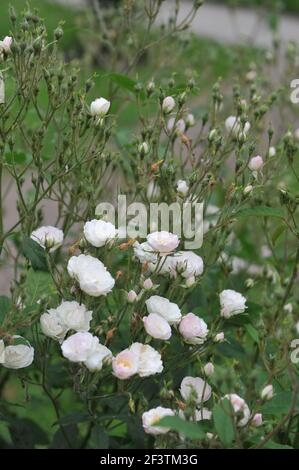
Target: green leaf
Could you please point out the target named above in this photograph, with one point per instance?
(99, 439)
(224, 422)
(278, 232)
(123, 81)
(259, 211)
(25, 433)
(16, 158)
(74, 418)
(189, 429)
(35, 254)
(5, 306)
(253, 333)
(275, 445)
(38, 284)
(280, 404)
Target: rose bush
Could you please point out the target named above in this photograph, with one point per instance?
(141, 342)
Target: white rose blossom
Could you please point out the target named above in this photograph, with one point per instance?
(99, 107)
(232, 303)
(187, 263)
(157, 327)
(91, 274)
(5, 44)
(196, 389)
(150, 362)
(99, 232)
(86, 348)
(193, 329)
(163, 242)
(48, 237)
(151, 418)
(16, 356)
(163, 307)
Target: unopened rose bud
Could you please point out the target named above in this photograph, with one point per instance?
(190, 121)
(267, 393)
(219, 338)
(168, 104)
(249, 283)
(150, 87)
(288, 308)
(272, 152)
(256, 163)
(248, 189)
(209, 369)
(132, 296)
(257, 420)
(148, 284)
(212, 135)
(143, 148)
(209, 435)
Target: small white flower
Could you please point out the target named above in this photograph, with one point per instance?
(16, 356)
(99, 107)
(196, 389)
(272, 152)
(163, 242)
(99, 232)
(182, 187)
(151, 418)
(149, 360)
(48, 237)
(168, 104)
(156, 326)
(193, 329)
(163, 307)
(232, 303)
(92, 275)
(267, 393)
(240, 408)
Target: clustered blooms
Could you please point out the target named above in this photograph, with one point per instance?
(139, 359)
(57, 322)
(86, 348)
